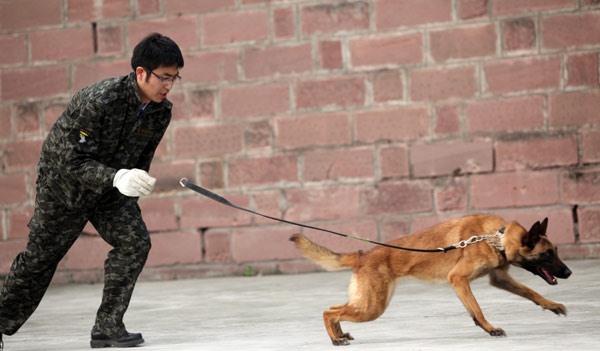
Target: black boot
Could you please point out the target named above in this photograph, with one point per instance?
(127, 339)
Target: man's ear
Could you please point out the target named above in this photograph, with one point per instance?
(141, 73)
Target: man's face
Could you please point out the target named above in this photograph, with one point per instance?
(150, 85)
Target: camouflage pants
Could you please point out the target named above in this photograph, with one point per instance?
(53, 230)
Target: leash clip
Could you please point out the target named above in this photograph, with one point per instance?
(181, 182)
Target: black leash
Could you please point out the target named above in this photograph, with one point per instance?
(209, 194)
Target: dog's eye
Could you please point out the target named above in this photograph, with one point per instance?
(549, 254)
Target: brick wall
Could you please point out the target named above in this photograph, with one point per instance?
(372, 117)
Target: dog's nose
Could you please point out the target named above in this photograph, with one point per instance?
(566, 272)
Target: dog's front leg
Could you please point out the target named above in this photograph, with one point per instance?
(463, 290)
(501, 279)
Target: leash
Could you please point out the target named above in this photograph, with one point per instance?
(184, 182)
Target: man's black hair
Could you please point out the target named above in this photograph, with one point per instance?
(154, 51)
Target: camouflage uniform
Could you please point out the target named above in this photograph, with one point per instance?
(101, 131)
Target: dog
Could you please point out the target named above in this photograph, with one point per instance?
(377, 271)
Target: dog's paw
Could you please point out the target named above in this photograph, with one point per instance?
(497, 332)
(340, 342)
(347, 336)
(557, 308)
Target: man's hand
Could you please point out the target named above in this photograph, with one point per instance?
(134, 182)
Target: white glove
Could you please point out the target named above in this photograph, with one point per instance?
(134, 182)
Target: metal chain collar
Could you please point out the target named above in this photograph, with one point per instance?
(497, 243)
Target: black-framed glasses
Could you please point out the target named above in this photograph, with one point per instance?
(167, 81)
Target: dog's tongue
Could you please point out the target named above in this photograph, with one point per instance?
(549, 277)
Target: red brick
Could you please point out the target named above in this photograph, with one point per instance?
(17, 224)
(453, 196)
(536, 153)
(447, 120)
(394, 228)
(5, 122)
(574, 109)
(307, 205)
(159, 214)
(388, 85)
(148, 7)
(442, 84)
(266, 170)
(52, 46)
(589, 224)
(82, 11)
(522, 74)
(397, 198)
(343, 92)
(394, 161)
(27, 118)
(202, 104)
(116, 9)
(506, 114)
(34, 82)
(571, 30)
(226, 28)
(202, 212)
(24, 153)
(442, 158)
(218, 246)
(211, 175)
(330, 54)
(560, 221)
(591, 146)
(521, 189)
(581, 187)
(8, 251)
(180, 110)
(13, 49)
(396, 13)
(312, 130)
(182, 29)
(334, 18)
(256, 100)
(86, 253)
(403, 123)
(258, 135)
(516, 7)
(88, 73)
(365, 229)
(263, 244)
(268, 203)
(396, 50)
(519, 34)
(283, 21)
(463, 42)
(21, 14)
(583, 70)
(470, 9)
(277, 60)
(211, 67)
(338, 164)
(175, 248)
(51, 114)
(110, 40)
(191, 6)
(208, 141)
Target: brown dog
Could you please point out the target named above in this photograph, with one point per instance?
(377, 271)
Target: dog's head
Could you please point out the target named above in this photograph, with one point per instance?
(538, 255)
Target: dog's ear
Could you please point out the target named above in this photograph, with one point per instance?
(533, 235)
(544, 226)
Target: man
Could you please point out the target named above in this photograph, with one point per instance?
(93, 167)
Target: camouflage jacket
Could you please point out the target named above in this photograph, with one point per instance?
(99, 133)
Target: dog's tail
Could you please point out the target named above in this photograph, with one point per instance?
(323, 256)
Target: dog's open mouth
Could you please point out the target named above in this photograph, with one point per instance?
(549, 278)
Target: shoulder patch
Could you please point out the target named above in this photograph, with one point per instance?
(83, 135)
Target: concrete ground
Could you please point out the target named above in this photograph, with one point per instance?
(284, 313)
